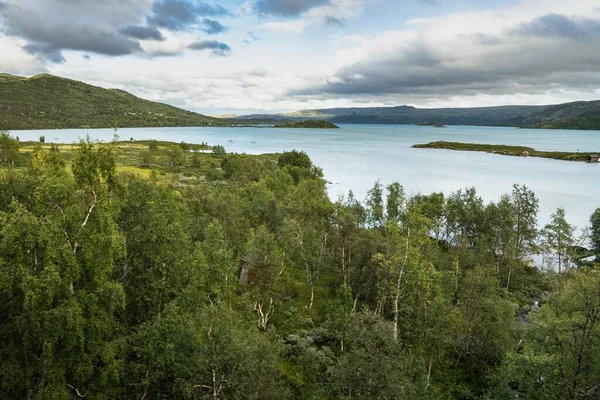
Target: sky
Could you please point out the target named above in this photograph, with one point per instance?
(255, 56)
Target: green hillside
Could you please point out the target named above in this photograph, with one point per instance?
(48, 102)
(575, 115)
(310, 124)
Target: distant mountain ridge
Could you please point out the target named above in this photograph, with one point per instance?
(50, 102)
(576, 115)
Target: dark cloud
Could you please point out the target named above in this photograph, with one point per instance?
(212, 27)
(142, 33)
(45, 51)
(52, 26)
(561, 26)
(177, 15)
(287, 8)
(215, 47)
(424, 67)
(334, 21)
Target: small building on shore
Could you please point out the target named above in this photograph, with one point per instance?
(593, 158)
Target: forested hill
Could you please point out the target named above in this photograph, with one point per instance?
(577, 115)
(48, 102)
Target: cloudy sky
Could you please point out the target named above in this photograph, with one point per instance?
(249, 56)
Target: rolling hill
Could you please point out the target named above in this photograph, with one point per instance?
(48, 102)
(577, 115)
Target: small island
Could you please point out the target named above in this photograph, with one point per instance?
(311, 124)
(433, 124)
(505, 150)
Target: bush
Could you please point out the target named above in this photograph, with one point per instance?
(219, 150)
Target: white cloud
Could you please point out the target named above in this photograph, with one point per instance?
(471, 55)
(286, 26)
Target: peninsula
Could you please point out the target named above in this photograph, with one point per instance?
(517, 151)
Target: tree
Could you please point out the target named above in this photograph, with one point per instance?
(558, 239)
(298, 165)
(525, 208)
(556, 356)
(374, 367)
(349, 217)
(59, 312)
(432, 207)
(146, 159)
(394, 202)
(264, 263)
(176, 157)
(218, 150)
(294, 158)
(9, 149)
(464, 216)
(403, 258)
(374, 206)
(94, 164)
(158, 248)
(196, 163)
(595, 231)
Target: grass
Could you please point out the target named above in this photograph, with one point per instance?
(516, 151)
(155, 160)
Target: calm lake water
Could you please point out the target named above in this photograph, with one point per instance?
(355, 156)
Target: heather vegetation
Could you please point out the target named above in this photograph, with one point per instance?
(168, 270)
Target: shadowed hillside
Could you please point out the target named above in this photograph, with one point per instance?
(577, 115)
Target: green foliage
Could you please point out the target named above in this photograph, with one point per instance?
(374, 203)
(176, 157)
(590, 122)
(9, 149)
(94, 164)
(556, 356)
(298, 165)
(310, 124)
(558, 239)
(595, 231)
(218, 150)
(239, 278)
(294, 158)
(146, 159)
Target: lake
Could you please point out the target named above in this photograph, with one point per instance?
(355, 156)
